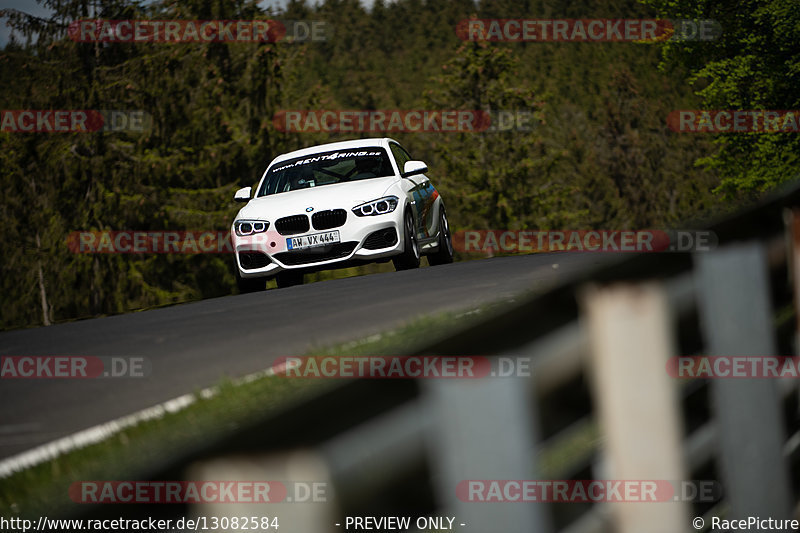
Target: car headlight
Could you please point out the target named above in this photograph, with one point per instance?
(249, 227)
(381, 206)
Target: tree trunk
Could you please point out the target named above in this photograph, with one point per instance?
(42, 292)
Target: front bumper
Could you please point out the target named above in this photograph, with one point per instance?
(361, 239)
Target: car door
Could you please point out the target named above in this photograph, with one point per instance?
(423, 195)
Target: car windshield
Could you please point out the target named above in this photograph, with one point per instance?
(326, 168)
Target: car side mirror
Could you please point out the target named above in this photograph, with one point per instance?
(243, 194)
(413, 167)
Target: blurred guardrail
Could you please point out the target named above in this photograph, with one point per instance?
(599, 404)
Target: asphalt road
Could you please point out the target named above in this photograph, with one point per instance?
(193, 345)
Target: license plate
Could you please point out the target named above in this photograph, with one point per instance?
(312, 241)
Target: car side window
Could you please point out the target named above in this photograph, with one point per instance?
(400, 155)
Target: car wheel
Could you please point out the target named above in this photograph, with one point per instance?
(444, 254)
(246, 285)
(410, 256)
(289, 278)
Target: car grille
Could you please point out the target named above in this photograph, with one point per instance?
(383, 238)
(329, 219)
(292, 225)
(315, 255)
(253, 260)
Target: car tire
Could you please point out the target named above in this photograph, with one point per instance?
(247, 285)
(410, 257)
(289, 278)
(444, 254)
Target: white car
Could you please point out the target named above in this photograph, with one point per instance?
(338, 205)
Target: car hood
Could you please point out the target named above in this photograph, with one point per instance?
(340, 195)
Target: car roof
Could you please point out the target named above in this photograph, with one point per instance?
(341, 145)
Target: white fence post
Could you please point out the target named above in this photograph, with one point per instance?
(630, 344)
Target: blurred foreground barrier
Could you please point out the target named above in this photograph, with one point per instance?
(605, 434)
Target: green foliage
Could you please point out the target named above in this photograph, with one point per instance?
(211, 107)
(598, 153)
(497, 179)
(754, 66)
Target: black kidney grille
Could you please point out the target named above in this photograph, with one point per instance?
(292, 225)
(329, 219)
